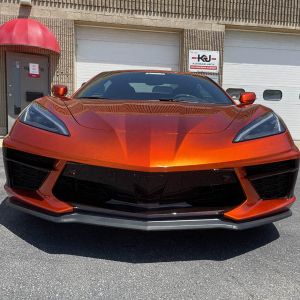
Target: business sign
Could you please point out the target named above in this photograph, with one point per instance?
(34, 70)
(204, 61)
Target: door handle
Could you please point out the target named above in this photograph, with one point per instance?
(17, 96)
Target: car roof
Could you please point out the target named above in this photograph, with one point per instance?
(152, 71)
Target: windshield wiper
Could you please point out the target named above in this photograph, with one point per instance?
(177, 100)
(161, 99)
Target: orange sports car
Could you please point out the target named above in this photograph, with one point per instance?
(151, 150)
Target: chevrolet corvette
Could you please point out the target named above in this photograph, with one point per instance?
(151, 150)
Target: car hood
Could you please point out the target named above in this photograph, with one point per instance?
(150, 136)
(152, 117)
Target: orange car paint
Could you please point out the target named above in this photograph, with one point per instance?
(153, 137)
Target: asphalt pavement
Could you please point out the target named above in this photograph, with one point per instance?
(41, 260)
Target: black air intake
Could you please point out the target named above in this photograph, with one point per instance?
(275, 180)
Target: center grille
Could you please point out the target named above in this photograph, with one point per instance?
(98, 186)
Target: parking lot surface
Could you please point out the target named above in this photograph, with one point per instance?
(41, 260)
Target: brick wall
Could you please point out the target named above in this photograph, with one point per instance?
(271, 12)
(205, 40)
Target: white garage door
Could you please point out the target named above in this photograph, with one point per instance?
(269, 65)
(102, 49)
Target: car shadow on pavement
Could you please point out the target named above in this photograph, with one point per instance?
(134, 246)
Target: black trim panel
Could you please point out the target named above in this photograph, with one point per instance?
(274, 180)
(26, 171)
(42, 163)
(153, 225)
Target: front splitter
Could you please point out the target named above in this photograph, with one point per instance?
(148, 225)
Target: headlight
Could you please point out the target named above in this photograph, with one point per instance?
(37, 116)
(267, 125)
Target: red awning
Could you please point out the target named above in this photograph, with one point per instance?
(28, 32)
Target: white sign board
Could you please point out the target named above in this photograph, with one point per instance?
(204, 61)
(34, 70)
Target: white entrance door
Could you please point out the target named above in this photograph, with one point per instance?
(27, 80)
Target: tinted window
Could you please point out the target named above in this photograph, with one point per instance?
(272, 95)
(154, 86)
(235, 93)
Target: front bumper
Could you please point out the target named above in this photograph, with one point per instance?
(146, 225)
(70, 192)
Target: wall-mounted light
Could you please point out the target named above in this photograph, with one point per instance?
(26, 2)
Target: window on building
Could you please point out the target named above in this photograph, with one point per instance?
(272, 95)
(235, 93)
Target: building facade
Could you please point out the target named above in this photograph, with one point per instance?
(258, 43)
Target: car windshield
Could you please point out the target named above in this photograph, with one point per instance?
(153, 86)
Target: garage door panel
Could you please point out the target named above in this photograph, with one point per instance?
(258, 62)
(267, 56)
(102, 49)
(260, 75)
(124, 36)
(118, 53)
(262, 40)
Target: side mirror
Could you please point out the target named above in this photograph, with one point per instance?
(59, 90)
(247, 98)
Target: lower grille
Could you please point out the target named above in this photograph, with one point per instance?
(26, 171)
(24, 177)
(276, 180)
(98, 187)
